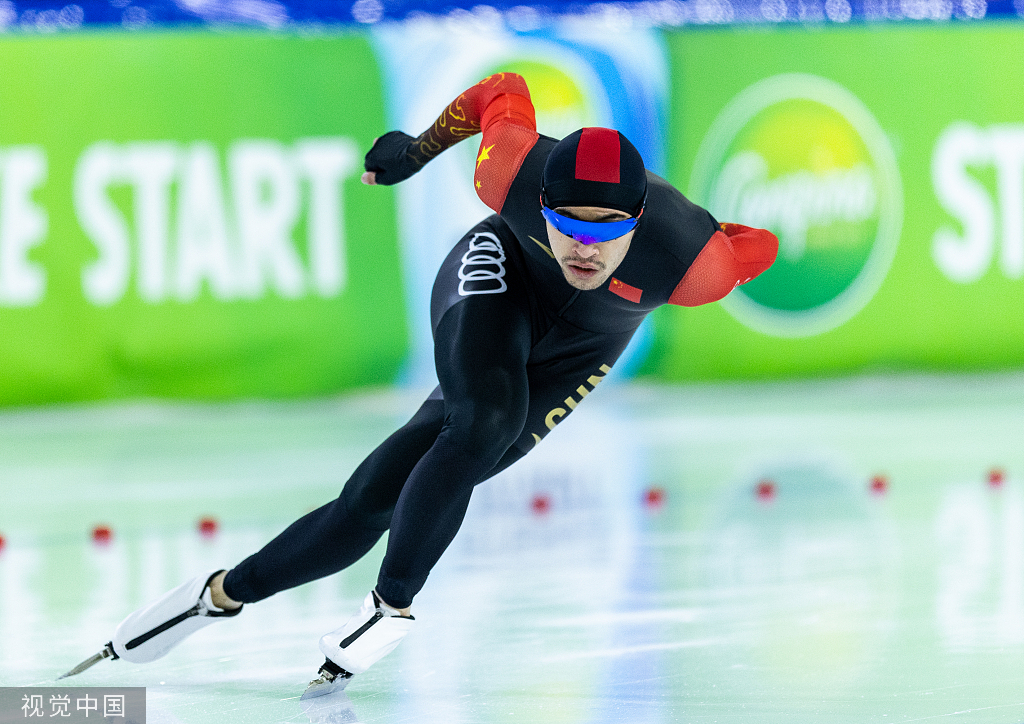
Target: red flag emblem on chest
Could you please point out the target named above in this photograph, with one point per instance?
(625, 291)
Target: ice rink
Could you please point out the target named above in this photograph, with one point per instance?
(842, 552)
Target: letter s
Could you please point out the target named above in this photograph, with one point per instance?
(963, 259)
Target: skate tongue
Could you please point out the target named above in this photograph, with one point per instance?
(387, 610)
(106, 653)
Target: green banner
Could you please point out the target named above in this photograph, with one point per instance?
(181, 215)
(890, 163)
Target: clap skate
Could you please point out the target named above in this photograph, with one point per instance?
(364, 639)
(151, 632)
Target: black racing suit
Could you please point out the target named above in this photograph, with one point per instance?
(516, 349)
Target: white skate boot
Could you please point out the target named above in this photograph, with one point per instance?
(151, 632)
(365, 638)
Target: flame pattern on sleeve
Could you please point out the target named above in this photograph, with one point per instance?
(464, 117)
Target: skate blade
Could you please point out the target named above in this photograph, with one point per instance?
(106, 653)
(321, 686)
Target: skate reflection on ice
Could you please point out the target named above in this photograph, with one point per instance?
(334, 708)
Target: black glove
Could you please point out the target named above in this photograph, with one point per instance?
(390, 160)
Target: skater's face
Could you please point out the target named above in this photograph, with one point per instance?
(588, 266)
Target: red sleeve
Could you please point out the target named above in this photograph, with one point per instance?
(732, 256)
(509, 134)
(500, 106)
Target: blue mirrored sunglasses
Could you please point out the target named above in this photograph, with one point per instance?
(589, 232)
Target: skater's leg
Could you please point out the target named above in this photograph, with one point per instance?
(341, 532)
(482, 338)
(520, 411)
(481, 348)
(512, 455)
(338, 533)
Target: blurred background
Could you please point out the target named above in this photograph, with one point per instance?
(181, 214)
(798, 503)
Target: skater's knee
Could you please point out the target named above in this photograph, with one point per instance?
(363, 507)
(485, 429)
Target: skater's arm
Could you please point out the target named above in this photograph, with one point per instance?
(732, 256)
(497, 98)
(499, 106)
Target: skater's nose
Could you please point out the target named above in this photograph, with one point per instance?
(584, 251)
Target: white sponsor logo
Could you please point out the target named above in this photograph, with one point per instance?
(193, 226)
(793, 202)
(482, 266)
(191, 220)
(23, 225)
(989, 223)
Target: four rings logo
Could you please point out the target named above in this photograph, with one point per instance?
(803, 157)
(483, 269)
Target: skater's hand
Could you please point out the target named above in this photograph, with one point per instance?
(388, 161)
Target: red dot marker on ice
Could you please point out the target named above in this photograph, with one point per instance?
(996, 477)
(766, 491)
(541, 504)
(102, 534)
(879, 485)
(208, 526)
(654, 498)
(3, 542)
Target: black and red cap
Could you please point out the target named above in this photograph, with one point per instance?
(595, 167)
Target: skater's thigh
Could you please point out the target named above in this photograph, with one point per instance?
(564, 368)
(482, 332)
(480, 354)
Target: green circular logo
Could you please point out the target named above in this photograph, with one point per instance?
(801, 156)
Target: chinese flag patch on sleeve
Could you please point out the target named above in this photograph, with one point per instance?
(625, 290)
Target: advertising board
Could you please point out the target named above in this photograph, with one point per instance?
(889, 163)
(181, 215)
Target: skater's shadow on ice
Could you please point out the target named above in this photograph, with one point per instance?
(335, 708)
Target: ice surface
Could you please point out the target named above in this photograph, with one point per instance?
(822, 602)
